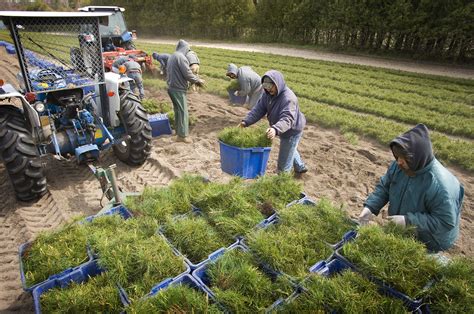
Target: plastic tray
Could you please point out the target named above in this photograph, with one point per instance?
(160, 124)
(247, 163)
(77, 274)
(236, 100)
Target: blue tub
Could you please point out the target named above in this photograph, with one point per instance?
(247, 163)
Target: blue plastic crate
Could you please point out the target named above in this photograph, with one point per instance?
(117, 210)
(123, 294)
(200, 273)
(247, 163)
(160, 124)
(236, 100)
(10, 49)
(78, 274)
(338, 263)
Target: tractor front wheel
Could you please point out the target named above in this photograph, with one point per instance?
(135, 146)
(20, 155)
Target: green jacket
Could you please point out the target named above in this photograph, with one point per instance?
(431, 200)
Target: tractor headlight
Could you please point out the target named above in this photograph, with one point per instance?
(39, 106)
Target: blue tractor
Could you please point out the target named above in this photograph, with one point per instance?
(66, 104)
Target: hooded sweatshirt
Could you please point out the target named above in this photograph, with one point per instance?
(249, 80)
(431, 200)
(192, 57)
(178, 71)
(282, 110)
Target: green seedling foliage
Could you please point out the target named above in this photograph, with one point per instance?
(161, 203)
(399, 231)
(253, 136)
(135, 256)
(176, 299)
(55, 251)
(347, 292)
(274, 192)
(233, 85)
(194, 237)
(241, 286)
(227, 208)
(454, 291)
(399, 261)
(98, 295)
(301, 237)
(152, 105)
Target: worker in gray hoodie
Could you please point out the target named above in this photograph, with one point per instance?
(249, 82)
(134, 71)
(280, 105)
(179, 74)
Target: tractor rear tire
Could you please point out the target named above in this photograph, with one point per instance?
(20, 156)
(136, 143)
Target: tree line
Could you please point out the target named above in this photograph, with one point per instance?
(437, 29)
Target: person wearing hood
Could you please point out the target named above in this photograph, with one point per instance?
(249, 82)
(179, 74)
(280, 105)
(420, 192)
(134, 71)
(162, 58)
(194, 65)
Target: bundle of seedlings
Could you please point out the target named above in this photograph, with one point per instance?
(399, 231)
(193, 237)
(98, 294)
(273, 192)
(55, 251)
(135, 256)
(162, 203)
(346, 292)
(152, 105)
(454, 290)
(253, 136)
(300, 237)
(175, 299)
(401, 262)
(228, 209)
(233, 86)
(241, 286)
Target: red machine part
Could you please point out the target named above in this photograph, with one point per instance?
(142, 57)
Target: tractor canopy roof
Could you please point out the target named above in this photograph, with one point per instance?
(101, 8)
(46, 14)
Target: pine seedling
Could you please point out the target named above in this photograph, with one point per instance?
(177, 198)
(399, 231)
(135, 256)
(347, 292)
(300, 237)
(227, 208)
(274, 192)
(194, 237)
(175, 299)
(253, 136)
(453, 292)
(152, 106)
(240, 285)
(233, 85)
(98, 295)
(53, 252)
(399, 261)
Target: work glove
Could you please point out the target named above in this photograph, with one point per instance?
(398, 219)
(236, 93)
(201, 83)
(242, 124)
(365, 216)
(271, 133)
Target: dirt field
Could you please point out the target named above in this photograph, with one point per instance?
(341, 171)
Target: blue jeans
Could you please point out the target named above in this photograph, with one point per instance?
(137, 82)
(288, 157)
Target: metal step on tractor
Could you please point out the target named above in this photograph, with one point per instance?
(66, 106)
(117, 41)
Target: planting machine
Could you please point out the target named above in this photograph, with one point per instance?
(66, 106)
(117, 41)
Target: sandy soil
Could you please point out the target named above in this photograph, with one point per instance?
(343, 172)
(402, 65)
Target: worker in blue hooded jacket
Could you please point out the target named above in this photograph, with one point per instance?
(280, 105)
(420, 191)
(179, 74)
